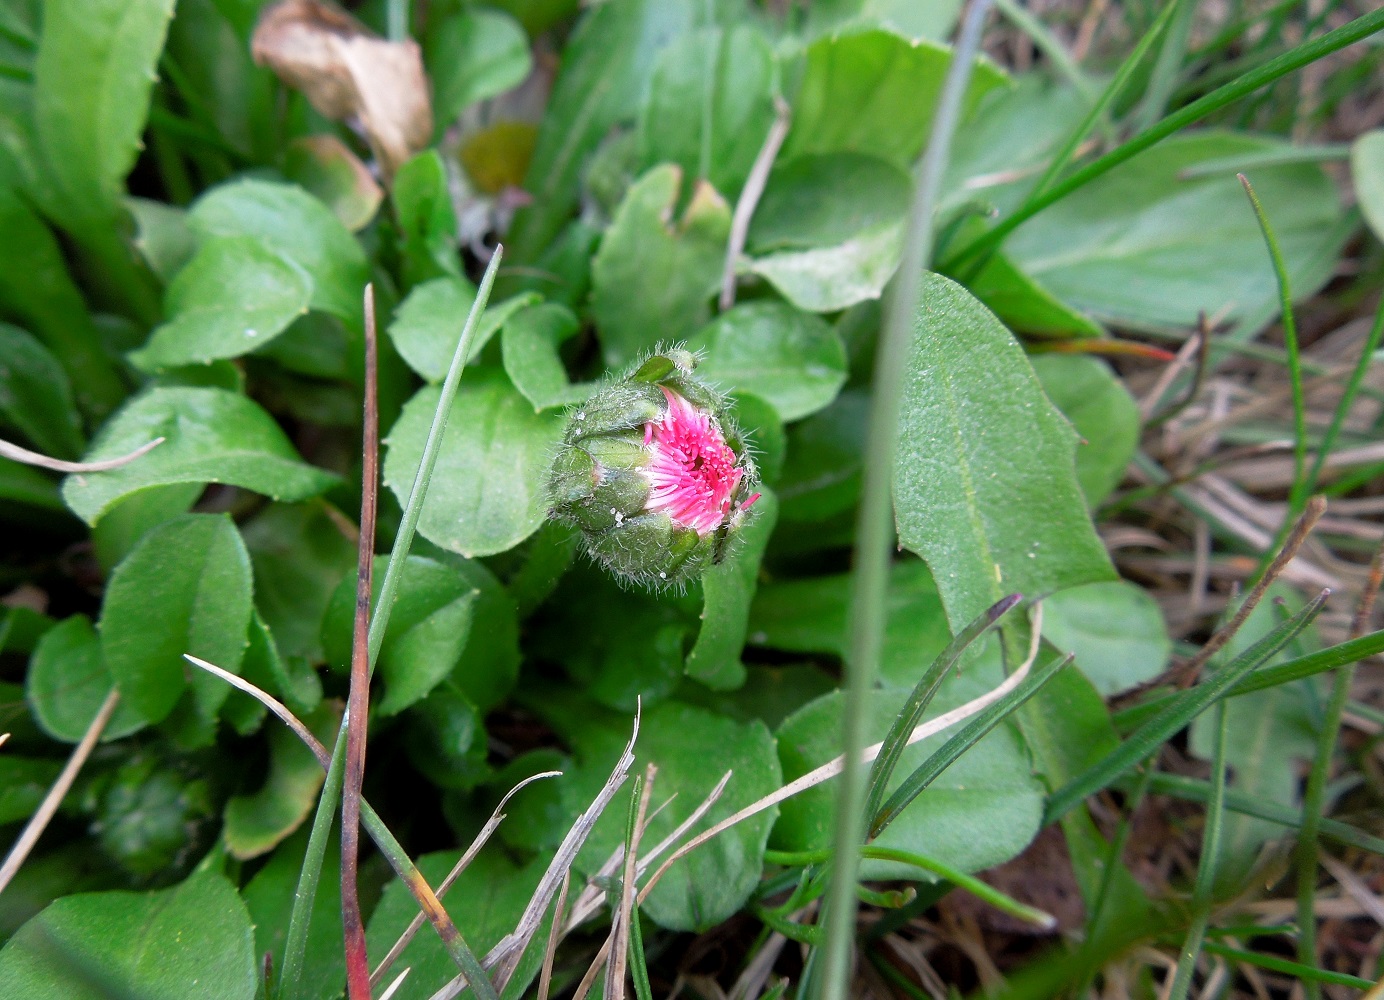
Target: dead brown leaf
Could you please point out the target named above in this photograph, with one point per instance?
(347, 73)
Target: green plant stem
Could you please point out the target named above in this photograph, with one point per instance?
(875, 538)
(384, 604)
(1294, 59)
(1206, 868)
(969, 883)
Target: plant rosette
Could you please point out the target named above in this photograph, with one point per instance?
(654, 473)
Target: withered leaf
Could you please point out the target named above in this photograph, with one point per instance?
(346, 72)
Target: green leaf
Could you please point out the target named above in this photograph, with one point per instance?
(194, 939)
(428, 322)
(1104, 414)
(162, 236)
(1142, 245)
(529, 346)
(710, 105)
(1024, 305)
(791, 358)
(430, 636)
(762, 427)
(92, 82)
(37, 292)
(639, 658)
(826, 279)
(984, 481)
(211, 436)
(35, 395)
(933, 20)
(295, 225)
(1067, 729)
(257, 822)
(727, 592)
(821, 473)
(26, 485)
(495, 889)
(1009, 140)
(472, 55)
(294, 678)
(330, 172)
(824, 200)
(186, 588)
(427, 221)
(121, 527)
(1115, 629)
(981, 811)
(869, 90)
(428, 630)
(1367, 174)
(606, 67)
(234, 296)
(300, 554)
(489, 490)
(269, 898)
(653, 276)
(24, 781)
(810, 616)
(68, 680)
(693, 749)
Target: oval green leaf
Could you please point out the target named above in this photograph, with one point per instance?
(488, 491)
(210, 436)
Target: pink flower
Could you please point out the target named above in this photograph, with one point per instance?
(693, 471)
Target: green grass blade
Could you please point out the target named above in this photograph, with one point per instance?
(308, 878)
(1266, 158)
(1055, 52)
(1196, 790)
(1314, 802)
(1113, 90)
(1340, 655)
(912, 711)
(1163, 79)
(1206, 868)
(296, 940)
(875, 533)
(1297, 496)
(1274, 964)
(1294, 59)
(1141, 744)
(971, 734)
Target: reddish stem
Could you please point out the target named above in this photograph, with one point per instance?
(358, 702)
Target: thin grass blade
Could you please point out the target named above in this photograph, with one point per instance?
(1177, 715)
(1206, 868)
(1294, 59)
(948, 753)
(912, 711)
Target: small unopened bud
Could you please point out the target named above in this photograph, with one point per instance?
(654, 473)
